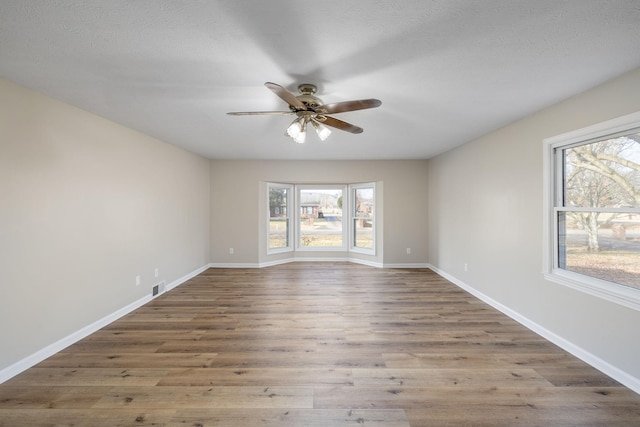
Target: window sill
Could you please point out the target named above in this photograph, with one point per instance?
(619, 294)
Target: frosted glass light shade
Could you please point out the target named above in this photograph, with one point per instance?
(322, 131)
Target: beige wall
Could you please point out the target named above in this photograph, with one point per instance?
(485, 209)
(238, 214)
(86, 205)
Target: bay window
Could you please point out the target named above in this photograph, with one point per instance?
(321, 218)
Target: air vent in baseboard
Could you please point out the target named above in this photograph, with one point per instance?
(159, 288)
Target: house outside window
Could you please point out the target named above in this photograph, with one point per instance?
(592, 210)
(320, 225)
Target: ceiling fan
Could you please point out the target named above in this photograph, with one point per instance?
(310, 109)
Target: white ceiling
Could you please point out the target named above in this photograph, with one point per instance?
(447, 71)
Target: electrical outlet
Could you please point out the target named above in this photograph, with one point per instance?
(466, 267)
(138, 281)
(156, 272)
(230, 251)
(408, 251)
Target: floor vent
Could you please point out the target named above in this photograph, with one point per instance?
(158, 289)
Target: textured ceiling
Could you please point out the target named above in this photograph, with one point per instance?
(447, 71)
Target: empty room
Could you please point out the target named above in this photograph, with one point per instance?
(341, 213)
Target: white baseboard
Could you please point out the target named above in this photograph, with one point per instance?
(186, 277)
(312, 259)
(408, 265)
(65, 342)
(48, 351)
(276, 262)
(603, 366)
(233, 265)
(335, 259)
(305, 259)
(366, 262)
(316, 259)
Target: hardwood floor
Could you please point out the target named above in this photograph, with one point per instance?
(331, 344)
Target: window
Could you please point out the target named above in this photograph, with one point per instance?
(280, 201)
(310, 218)
(362, 218)
(320, 224)
(593, 210)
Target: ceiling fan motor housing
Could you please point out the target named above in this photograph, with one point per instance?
(307, 96)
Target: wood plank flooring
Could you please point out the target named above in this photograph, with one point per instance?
(309, 344)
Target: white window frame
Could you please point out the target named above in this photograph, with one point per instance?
(345, 201)
(353, 217)
(290, 218)
(553, 181)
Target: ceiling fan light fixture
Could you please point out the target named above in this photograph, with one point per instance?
(322, 131)
(300, 138)
(296, 130)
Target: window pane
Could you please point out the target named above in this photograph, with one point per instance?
(278, 219)
(363, 204)
(278, 236)
(601, 245)
(603, 174)
(363, 233)
(321, 218)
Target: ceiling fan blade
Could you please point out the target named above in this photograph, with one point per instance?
(343, 107)
(339, 124)
(287, 96)
(258, 113)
